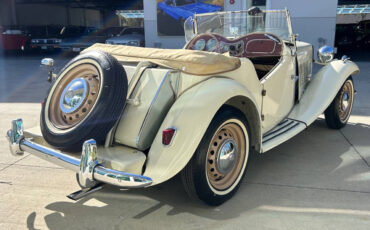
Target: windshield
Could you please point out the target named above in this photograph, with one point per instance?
(234, 24)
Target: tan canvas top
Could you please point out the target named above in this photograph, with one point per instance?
(188, 61)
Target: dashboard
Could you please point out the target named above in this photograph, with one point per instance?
(250, 45)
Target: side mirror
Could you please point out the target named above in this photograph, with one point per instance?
(48, 64)
(325, 54)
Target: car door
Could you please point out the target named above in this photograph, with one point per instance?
(279, 90)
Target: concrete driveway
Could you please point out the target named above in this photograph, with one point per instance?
(318, 180)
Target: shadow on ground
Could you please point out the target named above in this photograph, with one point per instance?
(301, 166)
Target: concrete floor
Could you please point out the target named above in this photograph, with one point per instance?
(317, 180)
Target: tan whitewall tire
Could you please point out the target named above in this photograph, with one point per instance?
(339, 111)
(85, 101)
(216, 170)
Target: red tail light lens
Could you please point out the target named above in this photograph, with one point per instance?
(167, 135)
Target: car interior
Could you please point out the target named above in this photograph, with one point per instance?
(263, 49)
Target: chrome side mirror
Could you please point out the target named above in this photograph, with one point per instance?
(325, 54)
(48, 64)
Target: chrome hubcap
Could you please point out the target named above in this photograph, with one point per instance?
(345, 101)
(73, 95)
(227, 156)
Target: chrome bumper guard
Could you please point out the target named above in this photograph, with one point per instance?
(90, 171)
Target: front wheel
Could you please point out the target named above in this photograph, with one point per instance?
(339, 111)
(215, 172)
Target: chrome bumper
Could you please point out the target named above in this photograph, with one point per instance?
(90, 171)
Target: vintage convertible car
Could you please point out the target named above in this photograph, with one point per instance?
(242, 83)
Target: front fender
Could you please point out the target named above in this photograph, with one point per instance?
(322, 90)
(191, 115)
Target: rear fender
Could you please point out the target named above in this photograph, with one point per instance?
(322, 90)
(191, 115)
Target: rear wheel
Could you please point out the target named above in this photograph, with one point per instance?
(219, 163)
(339, 111)
(85, 101)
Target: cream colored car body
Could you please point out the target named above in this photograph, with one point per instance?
(198, 98)
(277, 107)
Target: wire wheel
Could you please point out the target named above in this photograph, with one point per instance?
(75, 96)
(225, 156)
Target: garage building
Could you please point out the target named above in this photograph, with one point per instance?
(314, 21)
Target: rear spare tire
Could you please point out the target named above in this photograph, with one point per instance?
(85, 101)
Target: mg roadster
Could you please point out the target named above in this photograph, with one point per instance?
(135, 117)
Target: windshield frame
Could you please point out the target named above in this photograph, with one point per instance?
(195, 25)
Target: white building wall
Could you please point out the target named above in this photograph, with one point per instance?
(313, 20)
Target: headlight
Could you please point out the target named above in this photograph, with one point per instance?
(325, 54)
(58, 40)
(34, 41)
(133, 43)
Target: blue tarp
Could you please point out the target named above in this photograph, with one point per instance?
(185, 11)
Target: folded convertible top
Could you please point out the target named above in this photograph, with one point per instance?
(188, 61)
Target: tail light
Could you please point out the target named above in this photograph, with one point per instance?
(167, 136)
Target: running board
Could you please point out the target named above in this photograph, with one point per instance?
(281, 133)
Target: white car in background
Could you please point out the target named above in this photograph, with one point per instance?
(128, 36)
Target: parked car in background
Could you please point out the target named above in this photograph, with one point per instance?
(13, 39)
(356, 35)
(45, 37)
(113, 31)
(363, 34)
(345, 36)
(88, 37)
(128, 36)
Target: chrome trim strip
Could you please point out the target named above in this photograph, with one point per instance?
(289, 24)
(277, 127)
(282, 137)
(140, 69)
(195, 25)
(151, 105)
(277, 130)
(89, 170)
(281, 131)
(50, 155)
